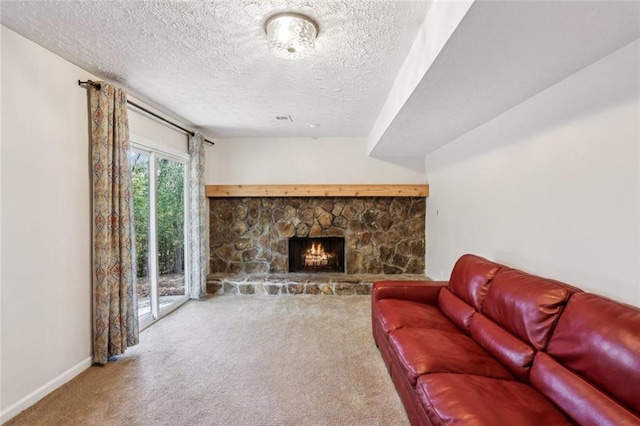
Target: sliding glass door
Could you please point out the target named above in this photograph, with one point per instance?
(160, 220)
(139, 162)
(170, 220)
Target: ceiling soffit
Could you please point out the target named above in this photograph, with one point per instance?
(501, 54)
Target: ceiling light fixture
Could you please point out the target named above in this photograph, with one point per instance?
(291, 35)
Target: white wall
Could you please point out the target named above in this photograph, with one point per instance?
(46, 222)
(300, 161)
(551, 186)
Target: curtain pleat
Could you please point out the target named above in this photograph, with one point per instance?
(115, 309)
(197, 212)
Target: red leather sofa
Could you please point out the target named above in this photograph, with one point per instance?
(497, 346)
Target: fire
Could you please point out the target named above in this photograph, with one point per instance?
(316, 256)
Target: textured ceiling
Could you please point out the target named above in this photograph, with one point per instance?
(207, 63)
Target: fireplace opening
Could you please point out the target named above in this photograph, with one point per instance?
(316, 254)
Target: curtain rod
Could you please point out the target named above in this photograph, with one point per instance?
(141, 108)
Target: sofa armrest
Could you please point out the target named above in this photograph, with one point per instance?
(418, 291)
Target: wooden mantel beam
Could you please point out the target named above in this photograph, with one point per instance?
(317, 190)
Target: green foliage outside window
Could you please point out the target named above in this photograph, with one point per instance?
(170, 200)
(170, 213)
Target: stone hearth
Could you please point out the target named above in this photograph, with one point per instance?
(299, 284)
(383, 235)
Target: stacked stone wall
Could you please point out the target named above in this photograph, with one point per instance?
(383, 235)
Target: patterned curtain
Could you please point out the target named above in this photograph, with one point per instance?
(115, 322)
(197, 211)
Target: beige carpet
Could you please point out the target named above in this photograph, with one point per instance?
(259, 360)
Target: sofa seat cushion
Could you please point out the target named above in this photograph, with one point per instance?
(457, 399)
(422, 351)
(396, 313)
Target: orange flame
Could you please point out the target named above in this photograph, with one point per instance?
(316, 256)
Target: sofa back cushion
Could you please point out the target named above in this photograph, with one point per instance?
(526, 305)
(512, 352)
(599, 340)
(470, 279)
(455, 309)
(583, 402)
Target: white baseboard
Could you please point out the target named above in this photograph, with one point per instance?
(35, 396)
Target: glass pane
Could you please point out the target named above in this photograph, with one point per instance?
(140, 191)
(170, 212)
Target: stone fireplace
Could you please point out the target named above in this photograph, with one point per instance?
(382, 235)
(316, 255)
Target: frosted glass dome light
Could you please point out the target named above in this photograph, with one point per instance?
(291, 35)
